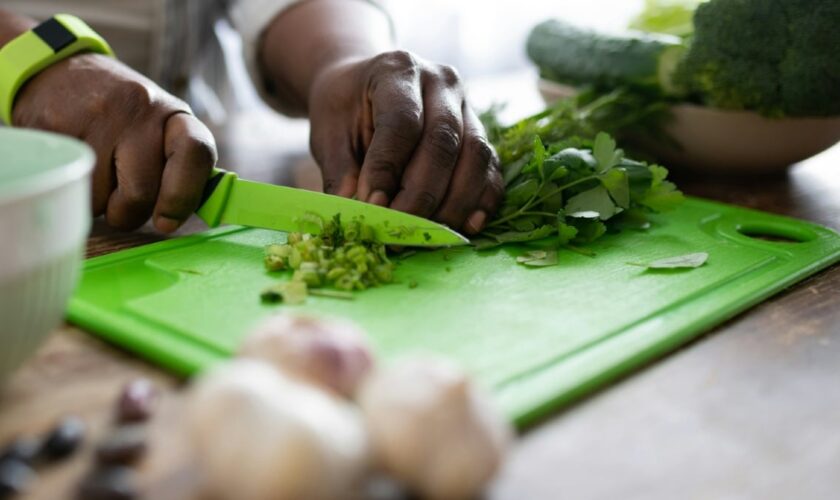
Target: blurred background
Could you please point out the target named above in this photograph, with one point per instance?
(487, 37)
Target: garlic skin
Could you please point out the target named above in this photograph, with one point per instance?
(260, 435)
(432, 429)
(332, 353)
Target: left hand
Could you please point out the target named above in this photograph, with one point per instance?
(397, 131)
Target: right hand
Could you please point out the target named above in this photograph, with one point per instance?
(153, 156)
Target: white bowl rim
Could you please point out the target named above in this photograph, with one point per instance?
(53, 178)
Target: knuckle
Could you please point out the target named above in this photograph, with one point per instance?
(405, 123)
(136, 95)
(479, 148)
(397, 60)
(444, 140)
(449, 75)
(203, 152)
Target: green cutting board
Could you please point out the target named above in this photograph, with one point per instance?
(538, 337)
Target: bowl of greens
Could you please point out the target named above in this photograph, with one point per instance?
(747, 86)
(44, 222)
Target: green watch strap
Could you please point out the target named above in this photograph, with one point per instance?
(40, 47)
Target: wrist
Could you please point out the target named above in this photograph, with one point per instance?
(32, 52)
(12, 26)
(309, 38)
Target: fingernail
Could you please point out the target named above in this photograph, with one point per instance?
(475, 222)
(166, 225)
(378, 198)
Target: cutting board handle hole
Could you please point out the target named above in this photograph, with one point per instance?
(774, 233)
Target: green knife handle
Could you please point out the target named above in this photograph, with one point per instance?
(215, 196)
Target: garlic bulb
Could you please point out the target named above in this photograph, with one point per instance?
(432, 429)
(259, 435)
(328, 352)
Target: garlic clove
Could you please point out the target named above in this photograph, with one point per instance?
(331, 353)
(433, 429)
(260, 435)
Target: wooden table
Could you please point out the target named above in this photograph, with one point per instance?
(751, 410)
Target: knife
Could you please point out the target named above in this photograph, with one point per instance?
(227, 199)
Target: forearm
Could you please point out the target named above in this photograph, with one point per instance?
(12, 25)
(313, 35)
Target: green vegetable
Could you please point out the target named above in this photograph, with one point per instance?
(345, 257)
(672, 17)
(569, 191)
(778, 57)
(538, 258)
(578, 56)
(573, 123)
(689, 261)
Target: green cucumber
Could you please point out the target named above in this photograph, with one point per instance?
(578, 56)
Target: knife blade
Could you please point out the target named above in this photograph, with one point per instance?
(228, 199)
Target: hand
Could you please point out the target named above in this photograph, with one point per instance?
(396, 131)
(152, 155)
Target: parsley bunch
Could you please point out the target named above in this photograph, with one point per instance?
(567, 182)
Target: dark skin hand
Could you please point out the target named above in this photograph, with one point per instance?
(387, 126)
(153, 156)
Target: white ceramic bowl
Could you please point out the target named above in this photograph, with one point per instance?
(44, 221)
(730, 142)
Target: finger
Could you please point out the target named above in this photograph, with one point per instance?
(470, 177)
(488, 204)
(103, 178)
(397, 109)
(139, 162)
(427, 175)
(190, 156)
(339, 167)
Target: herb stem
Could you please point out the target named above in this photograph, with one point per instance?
(534, 201)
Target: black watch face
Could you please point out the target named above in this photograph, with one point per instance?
(54, 34)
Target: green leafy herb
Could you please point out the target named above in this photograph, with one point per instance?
(538, 258)
(688, 261)
(566, 180)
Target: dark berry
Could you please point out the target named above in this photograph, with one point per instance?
(64, 439)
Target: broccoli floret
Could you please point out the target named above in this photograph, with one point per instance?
(778, 57)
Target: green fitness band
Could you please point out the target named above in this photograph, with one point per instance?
(44, 45)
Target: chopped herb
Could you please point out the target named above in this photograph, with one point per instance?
(538, 258)
(345, 257)
(689, 261)
(403, 232)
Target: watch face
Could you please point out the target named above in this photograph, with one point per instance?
(54, 34)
